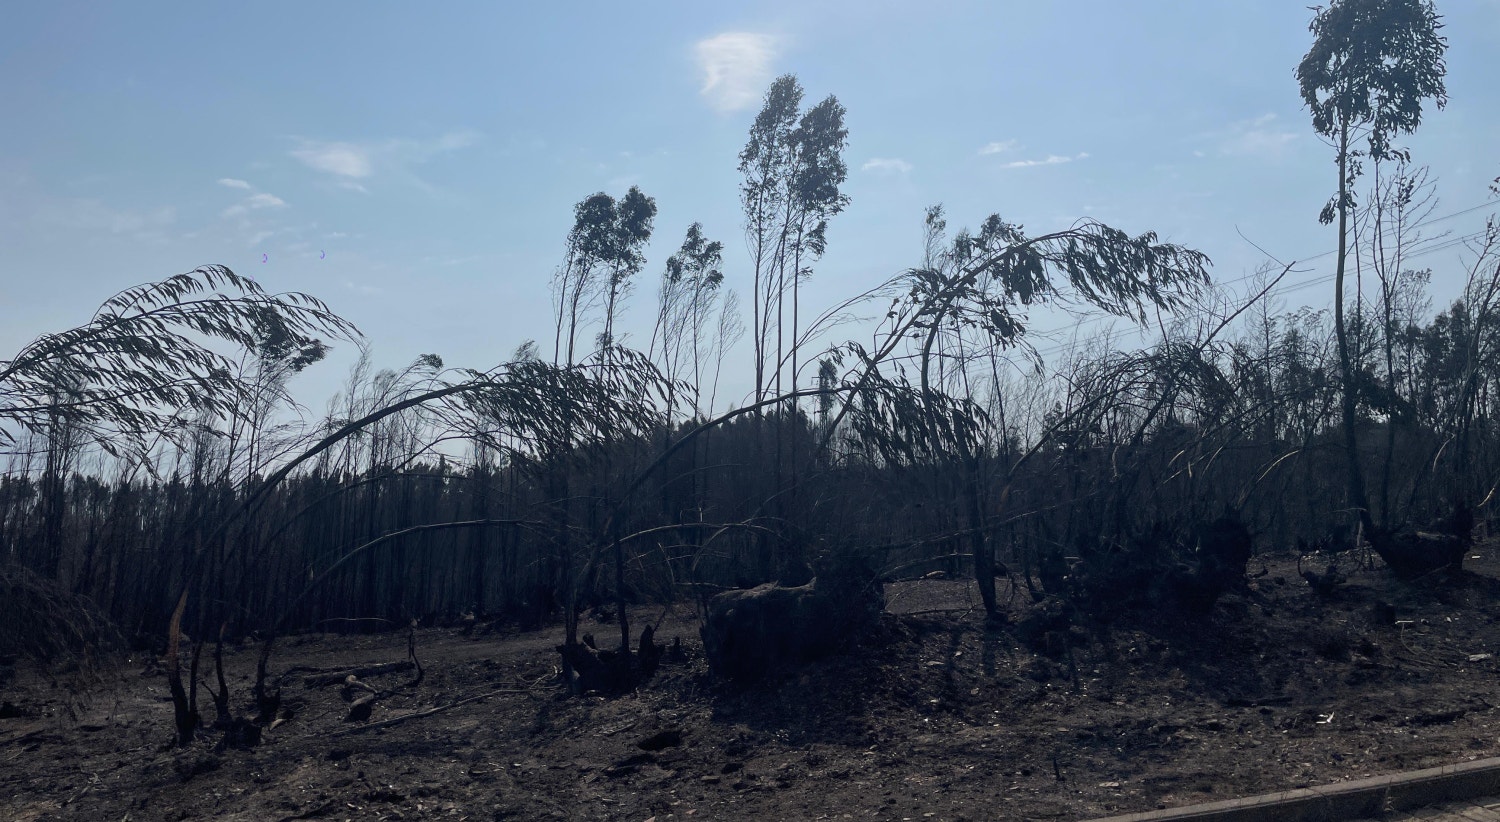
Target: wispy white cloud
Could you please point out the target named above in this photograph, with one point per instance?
(260, 236)
(366, 290)
(230, 182)
(998, 147)
(351, 162)
(1050, 160)
(254, 201)
(736, 68)
(886, 165)
(448, 261)
(1260, 137)
(341, 159)
(452, 141)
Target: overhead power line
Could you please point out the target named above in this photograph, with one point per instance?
(1289, 288)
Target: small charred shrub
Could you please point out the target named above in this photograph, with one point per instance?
(41, 620)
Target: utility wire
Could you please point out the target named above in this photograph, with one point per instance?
(1289, 288)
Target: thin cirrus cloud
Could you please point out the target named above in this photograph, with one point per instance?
(230, 182)
(361, 288)
(352, 162)
(254, 202)
(1262, 137)
(338, 159)
(736, 68)
(1049, 160)
(886, 165)
(997, 147)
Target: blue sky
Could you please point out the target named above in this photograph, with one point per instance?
(416, 166)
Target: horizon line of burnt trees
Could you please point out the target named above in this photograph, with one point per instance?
(1109, 446)
(164, 481)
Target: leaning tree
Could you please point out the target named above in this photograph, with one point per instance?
(151, 358)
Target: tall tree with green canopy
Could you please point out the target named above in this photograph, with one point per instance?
(1371, 66)
(818, 171)
(604, 253)
(793, 165)
(630, 231)
(767, 162)
(575, 285)
(689, 291)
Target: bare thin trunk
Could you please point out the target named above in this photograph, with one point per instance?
(1357, 496)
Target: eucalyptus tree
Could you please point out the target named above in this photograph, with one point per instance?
(148, 364)
(575, 285)
(1372, 65)
(793, 167)
(818, 170)
(265, 371)
(603, 254)
(688, 292)
(631, 230)
(767, 165)
(232, 458)
(690, 289)
(152, 358)
(729, 328)
(570, 419)
(982, 287)
(64, 440)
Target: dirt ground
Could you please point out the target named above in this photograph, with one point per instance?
(935, 717)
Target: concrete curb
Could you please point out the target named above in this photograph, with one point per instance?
(1344, 800)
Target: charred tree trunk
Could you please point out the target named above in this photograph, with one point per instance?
(984, 560)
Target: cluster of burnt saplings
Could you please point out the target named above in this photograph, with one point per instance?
(746, 633)
(1166, 571)
(750, 633)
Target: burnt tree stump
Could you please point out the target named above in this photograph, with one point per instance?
(750, 632)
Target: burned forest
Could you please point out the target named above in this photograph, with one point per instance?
(1050, 524)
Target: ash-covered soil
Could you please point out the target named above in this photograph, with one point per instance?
(936, 716)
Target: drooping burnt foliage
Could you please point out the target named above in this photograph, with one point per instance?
(935, 443)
